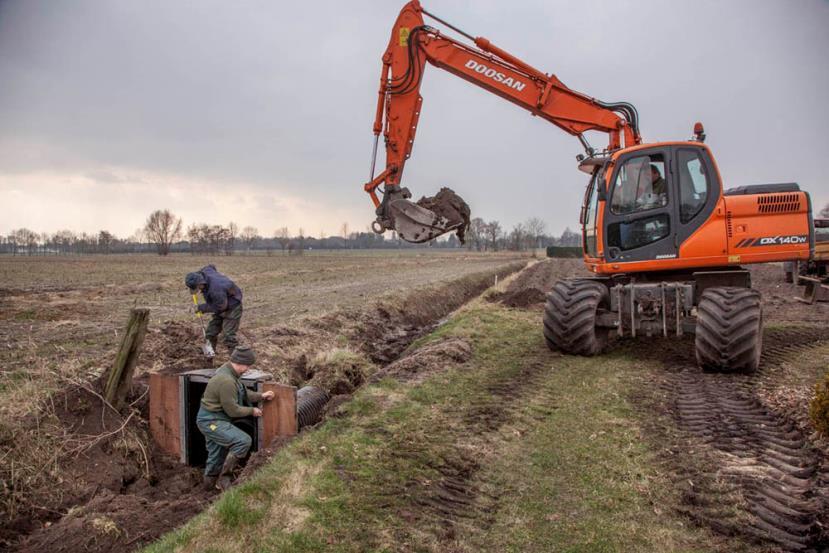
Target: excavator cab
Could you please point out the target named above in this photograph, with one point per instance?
(650, 200)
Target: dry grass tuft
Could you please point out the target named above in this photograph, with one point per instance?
(105, 526)
(339, 370)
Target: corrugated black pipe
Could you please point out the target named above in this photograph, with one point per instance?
(310, 403)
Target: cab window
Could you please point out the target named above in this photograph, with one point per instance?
(693, 184)
(640, 185)
(589, 210)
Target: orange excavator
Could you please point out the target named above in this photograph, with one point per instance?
(664, 243)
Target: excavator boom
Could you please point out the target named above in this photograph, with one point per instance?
(412, 45)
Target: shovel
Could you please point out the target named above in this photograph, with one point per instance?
(207, 347)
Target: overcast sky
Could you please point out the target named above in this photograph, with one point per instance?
(261, 112)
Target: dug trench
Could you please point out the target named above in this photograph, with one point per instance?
(89, 477)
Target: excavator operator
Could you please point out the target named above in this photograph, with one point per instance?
(657, 182)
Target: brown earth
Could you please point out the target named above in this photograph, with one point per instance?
(740, 447)
(426, 360)
(113, 490)
(174, 348)
(446, 203)
(531, 287)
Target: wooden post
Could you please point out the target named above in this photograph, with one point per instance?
(119, 378)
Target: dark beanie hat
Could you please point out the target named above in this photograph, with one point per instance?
(243, 355)
(194, 279)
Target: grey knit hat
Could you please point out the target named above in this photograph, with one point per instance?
(243, 355)
(194, 279)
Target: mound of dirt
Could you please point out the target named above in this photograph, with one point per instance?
(385, 332)
(114, 522)
(427, 360)
(338, 371)
(520, 298)
(530, 288)
(451, 206)
(174, 348)
(108, 487)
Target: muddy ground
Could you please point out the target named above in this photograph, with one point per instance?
(739, 447)
(105, 486)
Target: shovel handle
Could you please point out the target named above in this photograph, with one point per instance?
(196, 303)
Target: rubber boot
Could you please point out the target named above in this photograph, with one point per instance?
(209, 482)
(227, 472)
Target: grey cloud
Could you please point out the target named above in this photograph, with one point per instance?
(280, 96)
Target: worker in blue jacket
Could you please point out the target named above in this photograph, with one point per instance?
(222, 298)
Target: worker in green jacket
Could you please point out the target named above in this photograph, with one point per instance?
(225, 399)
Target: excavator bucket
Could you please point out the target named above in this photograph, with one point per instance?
(430, 217)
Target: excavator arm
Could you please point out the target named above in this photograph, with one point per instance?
(411, 46)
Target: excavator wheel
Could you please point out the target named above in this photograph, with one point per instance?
(570, 317)
(729, 333)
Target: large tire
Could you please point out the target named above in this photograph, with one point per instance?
(570, 317)
(729, 334)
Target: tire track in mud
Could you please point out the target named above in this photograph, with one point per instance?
(460, 499)
(748, 453)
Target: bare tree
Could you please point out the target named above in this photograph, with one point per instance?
(493, 232)
(344, 233)
(64, 240)
(301, 241)
(45, 242)
(26, 238)
(475, 234)
(105, 241)
(517, 237)
(249, 236)
(535, 230)
(569, 238)
(282, 236)
(11, 240)
(163, 229)
(825, 211)
(230, 235)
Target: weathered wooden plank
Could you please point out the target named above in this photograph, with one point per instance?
(279, 414)
(165, 412)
